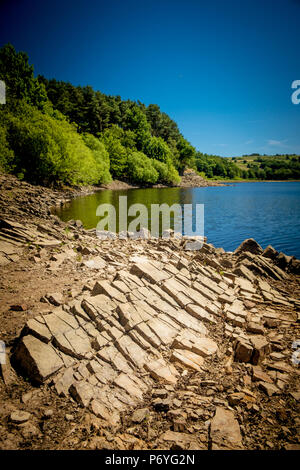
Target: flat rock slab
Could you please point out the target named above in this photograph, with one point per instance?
(149, 271)
(82, 392)
(187, 359)
(95, 263)
(161, 371)
(37, 359)
(182, 440)
(225, 431)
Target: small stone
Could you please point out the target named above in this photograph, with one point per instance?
(18, 307)
(55, 299)
(20, 416)
(179, 425)
(295, 395)
(139, 415)
(259, 375)
(261, 349)
(26, 397)
(69, 417)
(48, 414)
(235, 398)
(225, 431)
(269, 389)
(160, 393)
(161, 405)
(82, 392)
(29, 430)
(254, 327)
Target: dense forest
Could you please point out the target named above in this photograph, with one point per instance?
(53, 132)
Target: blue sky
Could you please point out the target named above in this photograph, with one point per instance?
(221, 69)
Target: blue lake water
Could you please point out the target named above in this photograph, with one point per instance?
(267, 212)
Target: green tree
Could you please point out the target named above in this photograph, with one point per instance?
(6, 154)
(140, 169)
(48, 150)
(101, 157)
(18, 76)
(117, 153)
(187, 154)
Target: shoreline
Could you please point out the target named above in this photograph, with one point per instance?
(181, 338)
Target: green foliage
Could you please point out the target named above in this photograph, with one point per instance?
(214, 166)
(52, 131)
(48, 150)
(158, 149)
(116, 151)
(187, 154)
(19, 79)
(101, 157)
(140, 169)
(167, 173)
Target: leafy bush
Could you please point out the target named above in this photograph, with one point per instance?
(158, 149)
(167, 173)
(49, 150)
(140, 169)
(101, 157)
(6, 154)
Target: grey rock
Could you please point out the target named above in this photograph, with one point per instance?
(37, 359)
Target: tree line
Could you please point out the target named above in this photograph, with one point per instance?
(273, 167)
(54, 132)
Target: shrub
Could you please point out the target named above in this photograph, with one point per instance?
(140, 169)
(49, 150)
(6, 154)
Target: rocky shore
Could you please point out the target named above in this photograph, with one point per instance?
(141, 344)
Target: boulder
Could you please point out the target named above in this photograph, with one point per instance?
(249, 245)
(37, 359)
(283, 260)
(294, 266)
(270, 252)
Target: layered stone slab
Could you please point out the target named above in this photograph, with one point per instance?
(108, 347)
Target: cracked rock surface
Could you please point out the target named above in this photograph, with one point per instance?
(143, 344)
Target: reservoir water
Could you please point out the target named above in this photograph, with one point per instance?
(267, 212)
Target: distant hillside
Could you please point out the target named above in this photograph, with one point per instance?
(286, 166)
(266, 167)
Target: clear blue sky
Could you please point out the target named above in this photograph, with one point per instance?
(221, 69)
